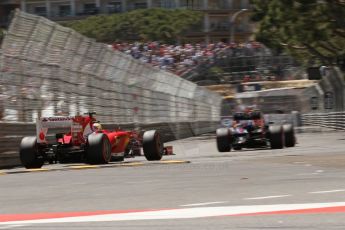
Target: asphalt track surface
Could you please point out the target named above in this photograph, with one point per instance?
(198, 188)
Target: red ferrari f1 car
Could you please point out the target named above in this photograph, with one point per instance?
(82, 139)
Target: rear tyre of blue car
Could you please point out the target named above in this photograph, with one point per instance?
(223, 136)
(29, 153)
(289, 135)
(276, 136)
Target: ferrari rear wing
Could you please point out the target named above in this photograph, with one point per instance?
(54, 125)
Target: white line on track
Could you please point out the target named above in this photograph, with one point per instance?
(328, 191)
(308, 174)
(11, 226)
(141, 182)
(201, 204)
(185, 213)
(265, 197)
(299, 162)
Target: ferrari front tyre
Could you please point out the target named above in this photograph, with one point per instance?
(276, 135)
(99, 149)
(29, 153)
(152, 145)
(223, 136)
(289, 135)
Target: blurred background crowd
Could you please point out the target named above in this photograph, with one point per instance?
(182, 58)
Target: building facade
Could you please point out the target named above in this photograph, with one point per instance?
(224, 20)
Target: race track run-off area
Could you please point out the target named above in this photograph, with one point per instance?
(197, 188)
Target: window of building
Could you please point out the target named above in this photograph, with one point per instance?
(237, 4)
(114, 7)
(41, 10)
(192, 4)
(140, 5)
(90, 8)
(219, 23)
(64, 10)
(167, 3)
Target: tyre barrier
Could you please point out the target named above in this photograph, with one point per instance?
(11, 135)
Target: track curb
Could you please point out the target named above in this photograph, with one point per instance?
(77, 167)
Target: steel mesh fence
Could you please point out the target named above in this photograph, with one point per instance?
(48, 70)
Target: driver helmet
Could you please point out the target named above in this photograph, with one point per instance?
(97, 126)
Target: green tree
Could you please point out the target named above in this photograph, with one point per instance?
(139, 25)
(307, 29)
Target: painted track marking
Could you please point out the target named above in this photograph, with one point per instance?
(307, 174)
(201, 204)
(173, 162)
(83, 166)
(266, 197)
(328, 191)
(12, 226)
(132, 164)
(183, 213)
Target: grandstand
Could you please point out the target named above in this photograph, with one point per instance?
(178, 59)
(242, 62)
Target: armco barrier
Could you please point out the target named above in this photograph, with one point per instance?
(334, 120)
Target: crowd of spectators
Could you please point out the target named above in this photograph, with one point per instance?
(181, 58)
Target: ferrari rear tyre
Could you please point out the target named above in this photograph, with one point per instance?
(276, 135)
(223, 136)
(289, 135)
(29, 153)
(152, 146)
(99, 149)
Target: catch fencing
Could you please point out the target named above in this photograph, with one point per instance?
(48, 70)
